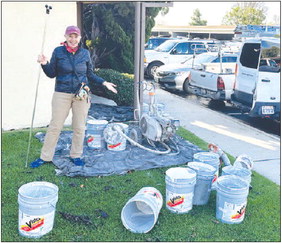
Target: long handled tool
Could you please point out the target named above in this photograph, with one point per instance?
(48, 8)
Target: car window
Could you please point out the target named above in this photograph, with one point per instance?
(180, 49)
(262, 62)
(229, 59)
(250, 55)
(198, 47)
(216, 60)
(273, 63)
(166, 46)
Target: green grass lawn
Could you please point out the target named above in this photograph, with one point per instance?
(86, 196)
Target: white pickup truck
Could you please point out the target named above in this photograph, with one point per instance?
(214, 80)
(257, 84)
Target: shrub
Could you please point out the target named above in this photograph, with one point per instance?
(125, 86)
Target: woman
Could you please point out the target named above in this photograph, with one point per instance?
(73, 69)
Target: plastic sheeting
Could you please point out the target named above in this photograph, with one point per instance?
(103, 162)
(111, 113)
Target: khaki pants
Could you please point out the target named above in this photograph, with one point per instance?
(61, 105)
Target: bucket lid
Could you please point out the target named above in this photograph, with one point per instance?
(97, 122)
(234, 170)
(202, 168)
(181, 174)
(232, 182)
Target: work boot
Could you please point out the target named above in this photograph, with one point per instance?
(38, 162)
(78, 161)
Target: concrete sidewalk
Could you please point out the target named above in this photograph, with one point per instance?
(229, 134)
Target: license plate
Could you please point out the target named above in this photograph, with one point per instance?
(267, 110)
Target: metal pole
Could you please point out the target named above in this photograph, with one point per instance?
(137, 62)
(48, 8)
(141, 64)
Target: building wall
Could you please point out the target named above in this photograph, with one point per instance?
(22, 38)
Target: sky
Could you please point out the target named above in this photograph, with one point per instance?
(213, 12)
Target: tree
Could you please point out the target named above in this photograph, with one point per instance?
(196, 18)
(109, 33)
(246, 13)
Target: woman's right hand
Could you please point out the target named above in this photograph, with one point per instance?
(42, 59)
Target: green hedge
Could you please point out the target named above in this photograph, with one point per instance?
(125, 86)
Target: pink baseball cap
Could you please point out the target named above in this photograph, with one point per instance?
(72, 30)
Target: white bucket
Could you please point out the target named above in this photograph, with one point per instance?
(244, 161)
(140, 213)
(180, 183)
(94, 133)
(37, 204)
(209, 158)
(231, 199)
(205, 175)
(115, 142)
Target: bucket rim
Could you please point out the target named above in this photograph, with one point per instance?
(231, 168)
(224, 177)
(188, 172)
(38, 183)
(207, 153)
(198, 164)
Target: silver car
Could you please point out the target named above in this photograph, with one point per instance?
(173, 76)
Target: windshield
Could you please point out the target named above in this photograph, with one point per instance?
(166, 46)
(201, 58)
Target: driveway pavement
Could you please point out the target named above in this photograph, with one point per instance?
(231, 135)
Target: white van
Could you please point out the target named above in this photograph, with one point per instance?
(257, 79)
(173, 51)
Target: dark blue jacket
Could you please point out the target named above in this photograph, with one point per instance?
(60, 67)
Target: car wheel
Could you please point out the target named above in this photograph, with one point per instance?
(152, 68)
(186, 86)
(216, 104)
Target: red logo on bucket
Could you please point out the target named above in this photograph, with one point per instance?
(175, 201)
(33, 224)
(155, 194)
(214, 178)
(90, 139)
(114, 145)
(239, 213)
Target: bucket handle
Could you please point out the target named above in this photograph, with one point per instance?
(54, 206)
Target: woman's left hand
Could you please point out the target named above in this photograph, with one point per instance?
(110, 86)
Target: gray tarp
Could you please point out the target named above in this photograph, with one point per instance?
(104, 162)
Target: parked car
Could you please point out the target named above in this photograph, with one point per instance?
(173, 51)
(154, 42)
(257, 86)
(175, 76)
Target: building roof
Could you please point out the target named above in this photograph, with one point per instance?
(226, 29)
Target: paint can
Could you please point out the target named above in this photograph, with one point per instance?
(94, 133)
(115, 141)
(140, 213)
(244, 173)
(209, 158)
(231, 199)
(37, 204)
(180, 183)
(205, 175)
